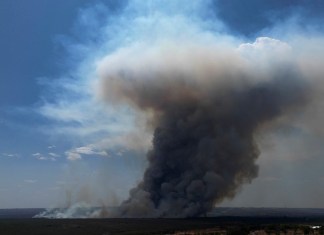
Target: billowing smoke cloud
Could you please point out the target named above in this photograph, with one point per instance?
(204, 104)
(204, 96)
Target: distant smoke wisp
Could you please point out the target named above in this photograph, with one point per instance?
(204, 105)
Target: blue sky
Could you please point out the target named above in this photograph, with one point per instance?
(54, 142)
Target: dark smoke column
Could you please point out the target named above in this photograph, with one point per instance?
(203, 131)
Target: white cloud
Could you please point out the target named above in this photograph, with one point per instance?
(75, 154)
(39, 156)
(11, 155)
(72, 156)
(54, 155)
(51, 157)
(265, 45)
(88, 150)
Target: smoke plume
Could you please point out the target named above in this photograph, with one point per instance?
(204, 105)
(201, 98)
